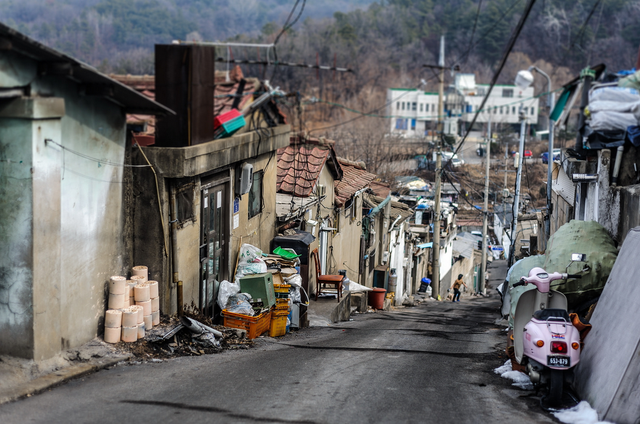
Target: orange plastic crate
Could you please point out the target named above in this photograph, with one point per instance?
(278, 326)
(282, 304)
(255, 326)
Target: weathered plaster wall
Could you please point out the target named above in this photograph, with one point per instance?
(346, 242)
(91, 211)
(16, 248)
(188, 251)
(76, 214)
(260, 229)
(397, 244)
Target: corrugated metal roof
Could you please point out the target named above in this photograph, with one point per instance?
(129, 99)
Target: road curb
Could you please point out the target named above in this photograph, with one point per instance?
(56, 378)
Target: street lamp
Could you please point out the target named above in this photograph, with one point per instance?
(524, 79)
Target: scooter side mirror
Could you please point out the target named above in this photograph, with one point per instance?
(578, 257)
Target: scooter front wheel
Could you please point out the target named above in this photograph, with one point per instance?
(555, 387)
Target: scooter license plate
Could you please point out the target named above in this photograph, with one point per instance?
(558, 361)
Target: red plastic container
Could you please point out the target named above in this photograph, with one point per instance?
(376, 298)
(226, 117)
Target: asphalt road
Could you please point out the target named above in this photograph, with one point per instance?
(429, 364)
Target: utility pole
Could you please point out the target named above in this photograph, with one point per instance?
(485, 213)
(436, 217)
(516, 201)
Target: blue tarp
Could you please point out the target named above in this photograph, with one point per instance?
(426, 245)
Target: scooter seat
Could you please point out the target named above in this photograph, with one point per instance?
(549, 314)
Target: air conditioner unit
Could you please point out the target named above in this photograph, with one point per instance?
(321, 190)
(244, 179)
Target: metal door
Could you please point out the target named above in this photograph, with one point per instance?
(213, 246)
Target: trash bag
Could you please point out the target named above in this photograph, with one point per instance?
(614, 94)
(295, 280)
(355, 287)
(609, 120)
(609, 106)
(249, 253)
(294, 294)
(258, 266)
(239, 304)
(226, 289)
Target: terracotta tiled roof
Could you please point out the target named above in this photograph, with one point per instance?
(300, 164)
(354, 178)
(380, 189)
(225, 94)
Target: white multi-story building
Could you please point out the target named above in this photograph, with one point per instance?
(414, 113)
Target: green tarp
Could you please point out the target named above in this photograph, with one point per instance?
(586, 237)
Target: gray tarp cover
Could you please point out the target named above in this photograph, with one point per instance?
(586, 237)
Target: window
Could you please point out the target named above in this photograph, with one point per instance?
(507, 110)
(185, 199)
(399, 122)
(533, 111)
(413, 124)
(397, 105)
(426, 107)
(513, 110)
(414, 106)
(507, 92)
(495, 110)
(255, 194)
(402, 105)
(421, 107)
(500, 110)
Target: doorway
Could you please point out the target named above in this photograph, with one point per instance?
(214, 244)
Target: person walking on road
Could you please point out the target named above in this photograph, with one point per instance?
(456, 288)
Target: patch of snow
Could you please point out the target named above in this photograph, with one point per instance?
(582, 413)
(506, 367)
(520, 379)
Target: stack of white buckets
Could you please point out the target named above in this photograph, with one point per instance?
(134, 305)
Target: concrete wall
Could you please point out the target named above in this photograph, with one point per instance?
(213, 161)
(259, 230)
(70, 227)
(397, 259)
(346, 242)
(464, 267)
(607, 375)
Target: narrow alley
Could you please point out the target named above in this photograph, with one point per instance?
(432, 363)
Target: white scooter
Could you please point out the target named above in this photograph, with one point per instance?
(544, 339)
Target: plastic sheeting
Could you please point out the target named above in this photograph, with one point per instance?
(586, 237)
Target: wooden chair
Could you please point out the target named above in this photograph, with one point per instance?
(330, 280)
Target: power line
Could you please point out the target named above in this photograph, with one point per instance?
(371, 111)
(286, 25)
(584, 25)
(99, 161)
(486, 33)
(475, 23)
(512, 42)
